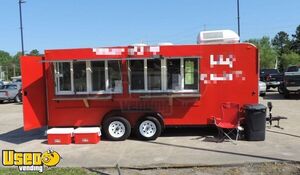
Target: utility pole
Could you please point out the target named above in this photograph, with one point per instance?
(21, 24)
(1, 74)
(14, 68)
(7, 73)
(238, 17)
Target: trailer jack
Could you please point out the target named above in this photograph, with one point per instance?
(270, 119)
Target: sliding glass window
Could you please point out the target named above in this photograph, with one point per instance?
(88, 77)
(98, 75)
(80, 76)
(137, 78)
(154, 74)
(114, 76)
(173, 74)
(191, 73)
(63, 77)
(164, 75)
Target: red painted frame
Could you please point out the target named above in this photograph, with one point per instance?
(242, 89)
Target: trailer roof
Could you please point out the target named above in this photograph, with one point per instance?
(131, 51)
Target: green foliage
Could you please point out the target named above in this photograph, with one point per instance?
(296, 41)
(10, 65)
(267, 53)
(282, 49)
(282, 43)
(4, 58)
(290, 59)
(34, 52)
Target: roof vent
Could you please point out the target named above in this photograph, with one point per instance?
(217, 37)
(139, 44)
(165, 44)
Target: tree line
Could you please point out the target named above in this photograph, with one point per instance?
(10, 64)
(279, 52)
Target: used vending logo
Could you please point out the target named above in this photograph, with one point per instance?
(30, 161)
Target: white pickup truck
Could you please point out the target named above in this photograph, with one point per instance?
(291, 80)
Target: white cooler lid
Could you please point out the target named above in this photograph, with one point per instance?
(82, 130)
(60, 131)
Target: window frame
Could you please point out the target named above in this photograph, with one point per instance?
(88, 78)
(107, 78)
(164, 80)
(57, 81)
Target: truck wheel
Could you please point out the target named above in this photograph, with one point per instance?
(280, 90)
(148, 128)
(286, 94)
(116, 128)
(17, 99)
(262, 94)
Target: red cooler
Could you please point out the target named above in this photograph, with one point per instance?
(87, 135)
(60, 136)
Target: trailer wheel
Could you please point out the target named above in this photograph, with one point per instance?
(148, 128)
(116, 128)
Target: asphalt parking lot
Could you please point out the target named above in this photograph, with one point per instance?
(177, 146)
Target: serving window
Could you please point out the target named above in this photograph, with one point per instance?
(114, 76)
(80, 79)
(88, 77)
(63, 77)
(164, 75)
(136, 71)
(190, 74)
(154, 74)
(98, 75)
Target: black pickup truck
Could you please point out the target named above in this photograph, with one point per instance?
(291, 81)
(272, 77)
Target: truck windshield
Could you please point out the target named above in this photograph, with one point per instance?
(293, 69)
(268, 71)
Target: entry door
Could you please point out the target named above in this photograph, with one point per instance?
(34, 92)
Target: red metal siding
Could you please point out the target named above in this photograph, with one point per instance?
(34, 96)
(242, 89)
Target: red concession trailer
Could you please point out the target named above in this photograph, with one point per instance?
(140, 87)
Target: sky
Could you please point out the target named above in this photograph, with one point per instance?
(56, 24)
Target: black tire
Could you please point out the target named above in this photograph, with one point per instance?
(17, 99)
(120, 124)
(280, 90)
(1, 101)
(262, 94)
(286, 94)
(150, 120)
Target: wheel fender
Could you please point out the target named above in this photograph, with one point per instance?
(158, 116)
(112, 113)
